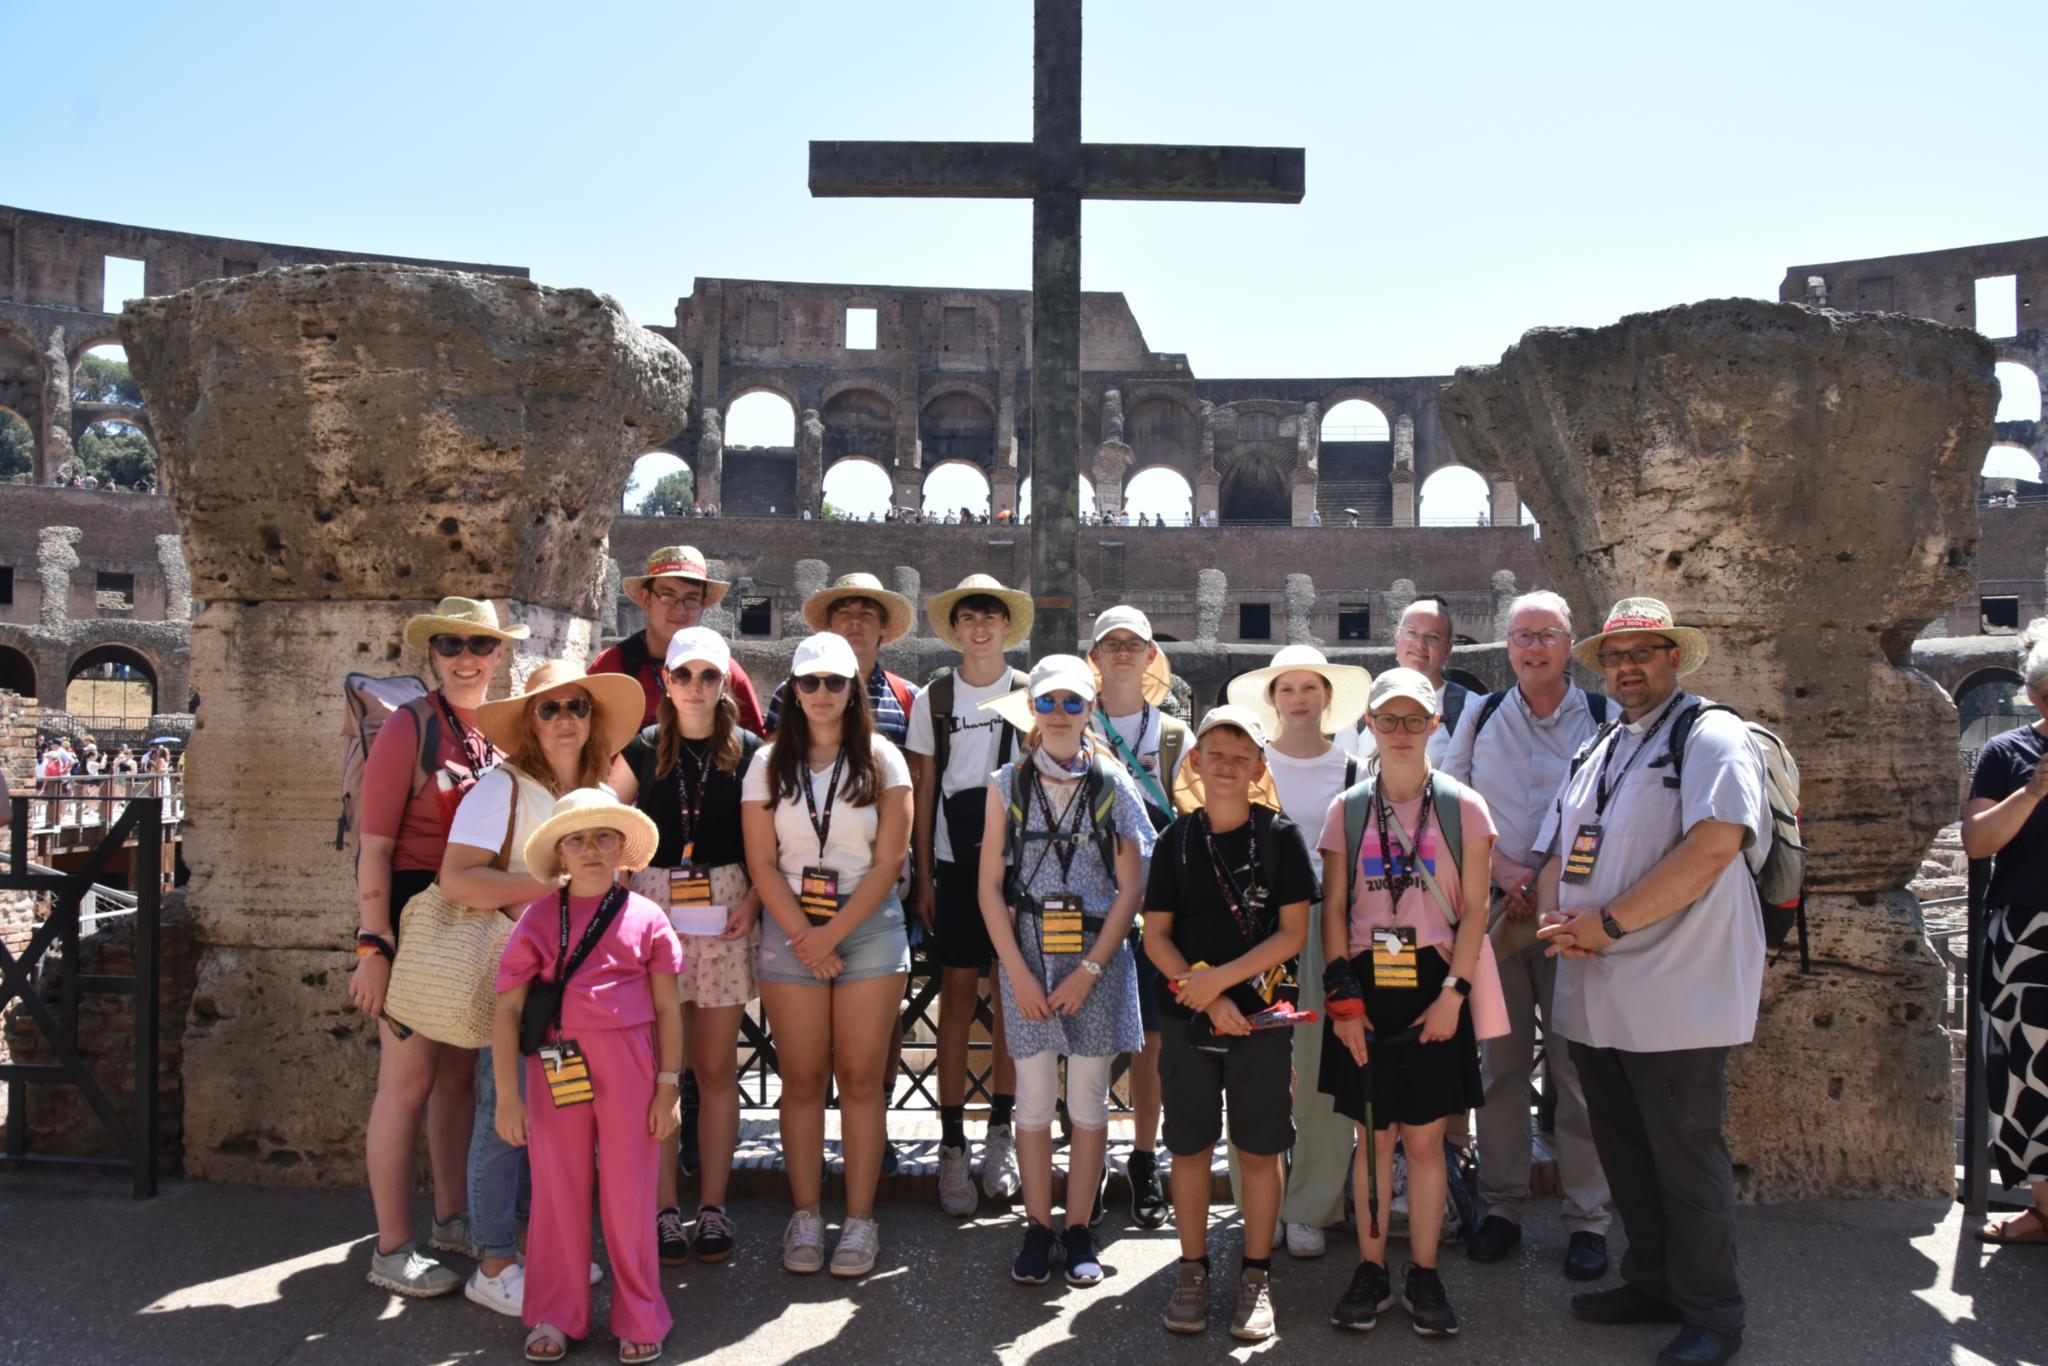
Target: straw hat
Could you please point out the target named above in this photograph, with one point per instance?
(1348, 686)
(677, 562)
(617, 704)
(938, 608)
(460, 617)
(1645, 614)
(897, 613)
(591, 808)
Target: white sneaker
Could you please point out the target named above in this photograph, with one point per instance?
(956, 1183)
(860, 1241)
(999, 1164)
(503, 1293)
(803, 1243)
(1305, 1240)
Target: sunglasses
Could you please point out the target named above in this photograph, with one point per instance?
(449, 647)
(708, 676)
(832, 683)
(604, 841)
(578, 707)
(1072, 705)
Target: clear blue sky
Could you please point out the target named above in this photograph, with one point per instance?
(1473, 170)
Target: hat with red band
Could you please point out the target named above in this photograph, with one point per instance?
(1633, 616)
(677, 562)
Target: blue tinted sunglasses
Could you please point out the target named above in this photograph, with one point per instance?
(1073, 705)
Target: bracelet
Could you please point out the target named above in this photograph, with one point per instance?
(1344, 1007)
(668, 1079)
(368, 943)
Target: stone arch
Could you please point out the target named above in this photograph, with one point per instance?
(760, 418)
(21, 385)
(1356, 419)
(1461, 493)
(2010, 460)
(956, 490)
(1255, 491)
(1086, 500)
(96, 417)
(1986, 706)
(1161, 489)
(17, 431)
(93, 341)
(1162, 429)
(116, 663)
(958, 423)
(1372, 395)
(651, 468)
(2019, 393)
(859, 420)
(857, 484)
(17, 672)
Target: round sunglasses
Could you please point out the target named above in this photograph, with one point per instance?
(578, 707)
(1070, 704)
(832, 683)
(708, 676)
(448, 647)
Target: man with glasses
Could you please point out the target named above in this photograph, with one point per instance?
(674, 592)
(1422, 642)
(1649, 898)
(866, 616)
(1516, 749)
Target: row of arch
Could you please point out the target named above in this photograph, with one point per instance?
(113, 664)
(22, 389)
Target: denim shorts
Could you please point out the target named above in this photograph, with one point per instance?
(878, 948)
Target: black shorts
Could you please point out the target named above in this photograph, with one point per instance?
(1148, 987)
(1256, 1077)
(961, 932)
(1408, 1081)
(406, 883)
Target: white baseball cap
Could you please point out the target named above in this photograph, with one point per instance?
(1062, 673)
(1408, 683)
(699, 645)
(1123, 619)
(1244, 718)
(824, 653)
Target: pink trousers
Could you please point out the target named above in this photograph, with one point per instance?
(563, 1147)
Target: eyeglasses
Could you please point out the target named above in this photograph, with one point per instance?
(1387, 725)
(1130, 645)
(578, 707)
(450, 647)
(1547, 637)
(673, 600)
(603, 841)
(832, 683)
(1067, 702)
(1641, 654)
(1429, 639)
(707, 676)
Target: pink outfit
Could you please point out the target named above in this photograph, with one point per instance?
(609, 1012)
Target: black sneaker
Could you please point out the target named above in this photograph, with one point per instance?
(715, 1234)
(1148, 1199)
(1097, 1210)
(1493, 1239)
(672, 1237)
(1034, 1264)
(1083, 1265)
(1371, 1294)
(1422, 1295)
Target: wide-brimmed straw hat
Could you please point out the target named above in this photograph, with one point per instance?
(938, 608)
(460, 617)
(591, 808)
(897, 613)
(617, 704)
(1348, 687)
(677, 562)
(1645, 614)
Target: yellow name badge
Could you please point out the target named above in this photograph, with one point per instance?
(689, 885)
(1059, 925)
(1393, 958)
(1269, 985)
(1585, 852)
(567, 1073)
(818, 893)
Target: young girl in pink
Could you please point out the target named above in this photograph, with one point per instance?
(606, 1075)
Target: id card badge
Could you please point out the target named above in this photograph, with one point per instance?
(1584, 853)
(1393, 958)
(819, 894)
(1059, 925)
(1270, 983)
(567, 1073)
(688, 885)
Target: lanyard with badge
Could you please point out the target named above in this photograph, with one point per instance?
(1128, 752)
(1061, 925)
(475, 748)
(1244, 903)
(562, 1062)
(819, 894)
(1394, 964)
(1585, 850)
(689, 885)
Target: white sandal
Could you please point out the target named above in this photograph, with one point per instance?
(547, 1334)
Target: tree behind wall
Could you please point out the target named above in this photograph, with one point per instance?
(670, 496)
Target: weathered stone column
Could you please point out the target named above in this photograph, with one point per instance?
(709, 475)
(1212, 590)
(1403, 476)
(347, 444)
(54, 446)
(905, 580)
(810, 576)
(1301, 609)
(1799, 483)
(1002, 493)
(810, 463)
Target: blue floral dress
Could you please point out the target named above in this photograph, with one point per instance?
(1108, 1023)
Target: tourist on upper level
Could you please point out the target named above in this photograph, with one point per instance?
(1648, 896)
(1422, 642)
(1515, 750)
(562, 733)
(425, 759)
(867, 616)
(826, 807)
(954, 745)
(1302, 700)
(685, 775)
(2005, 822)
(674, 594)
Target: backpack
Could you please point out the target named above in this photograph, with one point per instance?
(1454, 707)
(1450, 820)
(941, 694)
(1096, 791)
(367, 703)
(1781, 877)
(1595, 703)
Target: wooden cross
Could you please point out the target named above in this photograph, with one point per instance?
(1056, 171)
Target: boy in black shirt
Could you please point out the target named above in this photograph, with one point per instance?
(1226, 903)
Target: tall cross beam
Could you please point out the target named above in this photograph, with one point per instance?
(1056, 171)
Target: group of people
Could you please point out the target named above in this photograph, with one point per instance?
(75, 480)
(672, 848)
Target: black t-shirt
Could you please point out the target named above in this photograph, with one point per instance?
(2019, 872)
(718, 835)
(1183, 884)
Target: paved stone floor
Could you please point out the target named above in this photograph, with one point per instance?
(208, 1274)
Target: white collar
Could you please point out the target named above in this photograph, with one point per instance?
(1649, 718)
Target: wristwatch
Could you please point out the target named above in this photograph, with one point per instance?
(1091, 967)
(1458, 984)
(668, 1079)
(1611, 925)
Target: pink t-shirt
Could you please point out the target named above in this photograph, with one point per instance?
(610, 990)
(1371, 907)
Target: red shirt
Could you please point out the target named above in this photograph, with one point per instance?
(630, 657)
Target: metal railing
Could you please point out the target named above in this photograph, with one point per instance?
(84, 801)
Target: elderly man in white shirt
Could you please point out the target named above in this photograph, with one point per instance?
(1515, 748)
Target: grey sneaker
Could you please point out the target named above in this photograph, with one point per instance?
(410, 1271)
(1253, 1321)
(999, 1164)
(452, 1235)
(1188, 1310)
(803, 1243)
(860, 1240)
(956, 1183)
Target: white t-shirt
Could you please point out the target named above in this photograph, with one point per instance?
(975, 737)
(480, 821)
(1308, 786)
(850, 843)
